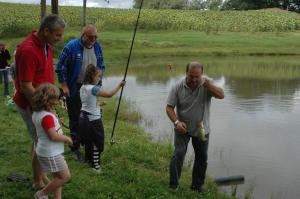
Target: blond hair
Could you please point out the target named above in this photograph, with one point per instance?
(44, 97)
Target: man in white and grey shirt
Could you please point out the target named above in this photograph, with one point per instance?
(76, 55)
(192, 98)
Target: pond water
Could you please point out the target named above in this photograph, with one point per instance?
(255, 129)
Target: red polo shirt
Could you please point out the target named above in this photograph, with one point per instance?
(32, 65)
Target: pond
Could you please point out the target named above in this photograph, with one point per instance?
(255, 129)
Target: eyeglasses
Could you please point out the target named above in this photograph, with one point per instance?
(92, 37)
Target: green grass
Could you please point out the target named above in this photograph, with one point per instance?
(169, 45)
(166, 43)
(134, 167)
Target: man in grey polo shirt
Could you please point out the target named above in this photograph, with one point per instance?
(192, 98)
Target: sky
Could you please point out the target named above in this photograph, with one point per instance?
(90, 3)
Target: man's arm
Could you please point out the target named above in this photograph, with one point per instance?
(100, 62)
(65, 88)
(217, 92)
(27, 89)
(180, 126)
(61, 69)
(171, 113)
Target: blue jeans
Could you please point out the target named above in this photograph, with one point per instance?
(200, 163)
(74, 106)
(6, 81)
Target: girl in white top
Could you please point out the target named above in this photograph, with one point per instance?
(50, 144)
(90, 122)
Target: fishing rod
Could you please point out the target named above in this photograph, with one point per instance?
(112, 141)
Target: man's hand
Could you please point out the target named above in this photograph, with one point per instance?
(65, 88)
(204, 82)
(181, 127)
(217, 92)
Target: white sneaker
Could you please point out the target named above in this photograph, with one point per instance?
(38, 196)
(98, 170)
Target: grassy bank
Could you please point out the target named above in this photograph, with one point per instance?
(132, 168)
(168, 45)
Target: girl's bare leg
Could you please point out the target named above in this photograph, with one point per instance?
(59, 178)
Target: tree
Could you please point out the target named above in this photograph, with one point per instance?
(54, 7)
(291, 5)
(214, 4)
(238, 5)
(198, 5)
(43, 9)
(84, 13)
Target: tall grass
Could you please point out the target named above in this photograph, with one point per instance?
(269, 20)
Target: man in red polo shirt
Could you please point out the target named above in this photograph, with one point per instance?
(34, 66)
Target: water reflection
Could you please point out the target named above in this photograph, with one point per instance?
(254, 129)
(256, 88)
(256, 94)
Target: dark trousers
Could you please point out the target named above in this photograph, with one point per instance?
(92, 134)
(4, 73)
(200, 163)
(74, 106)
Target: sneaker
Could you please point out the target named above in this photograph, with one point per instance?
(173, 188)
(97, 170)
(37, 195)
(9, 102)
(78, 156)
(200, 189)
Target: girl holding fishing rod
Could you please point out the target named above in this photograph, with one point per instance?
(90, 121)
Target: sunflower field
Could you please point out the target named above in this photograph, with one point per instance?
(18, 18)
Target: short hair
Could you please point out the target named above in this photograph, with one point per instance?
(43, 96)
(191, 65)
(90, 73)
(52, 22)
(88, 27)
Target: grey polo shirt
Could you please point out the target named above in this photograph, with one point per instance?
(192, 107)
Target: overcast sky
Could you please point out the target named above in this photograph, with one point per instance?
(90, 3)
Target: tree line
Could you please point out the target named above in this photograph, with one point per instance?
(290, 5)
